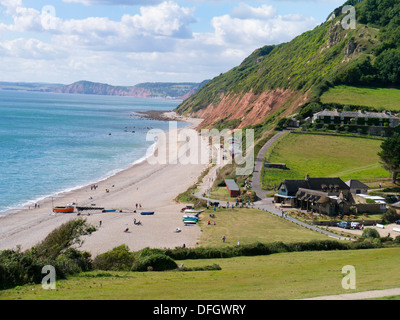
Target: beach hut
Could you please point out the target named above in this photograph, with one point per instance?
(232, 187)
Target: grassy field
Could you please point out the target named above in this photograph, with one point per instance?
(379, 98)
(280, 276)
(249, 225)
(292, 275)
(325, 156)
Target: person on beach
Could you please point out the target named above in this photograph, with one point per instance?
(223, 238)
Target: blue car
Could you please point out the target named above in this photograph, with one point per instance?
(344, 224)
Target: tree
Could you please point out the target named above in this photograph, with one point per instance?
(370, 233)
(390, 155)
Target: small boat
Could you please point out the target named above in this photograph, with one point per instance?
(193, 211)
(147, 213)
(190, 217)
(64, 209)
(177, 230)
(187, 222)
(109, 210)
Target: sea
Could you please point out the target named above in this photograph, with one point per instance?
(51, 143)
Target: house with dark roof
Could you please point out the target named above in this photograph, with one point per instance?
(357, 187)
(360, 117)
(396, 206)
(329, 196)
(325, 195)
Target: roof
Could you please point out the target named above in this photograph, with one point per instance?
(355, 114)
(318, 184)
(231, 185)
(396, 205)
(356, 184)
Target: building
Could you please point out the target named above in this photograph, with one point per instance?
(379, 119)
(357, 187)
(329, 196)
(232, 187)
(396, 206)
(313, 193)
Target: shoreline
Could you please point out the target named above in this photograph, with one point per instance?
(152, 186)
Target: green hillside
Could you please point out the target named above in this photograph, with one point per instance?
(325, 156)
(377, 98)
(324, 57)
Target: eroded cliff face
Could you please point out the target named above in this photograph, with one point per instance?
(251, 109)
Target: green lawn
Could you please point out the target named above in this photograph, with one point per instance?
(279, 276)
(325, 156)
(249, 225)
(380, 98)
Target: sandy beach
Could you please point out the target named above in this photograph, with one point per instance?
(153, 186)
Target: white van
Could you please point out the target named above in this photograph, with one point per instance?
(355, 225)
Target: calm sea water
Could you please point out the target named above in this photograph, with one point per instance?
(51, 143)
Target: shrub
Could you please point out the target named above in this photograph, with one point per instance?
(118, 259)
(63, 238)
(390, 216)
(370, 233)
(157, 261)
(205, 268)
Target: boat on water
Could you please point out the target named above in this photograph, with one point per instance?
(64, 209)
(147, 213)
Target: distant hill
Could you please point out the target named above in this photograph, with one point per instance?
(28, 86)
(278, 81)
(166, 90)
(179, 91)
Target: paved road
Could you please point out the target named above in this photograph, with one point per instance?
(258, 163)
(267, 205)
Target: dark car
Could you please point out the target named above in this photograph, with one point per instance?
(344, 224)
(397, 222)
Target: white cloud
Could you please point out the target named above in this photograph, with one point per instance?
(156, 44)
(116, 2)
(256, 32)
(244, 11)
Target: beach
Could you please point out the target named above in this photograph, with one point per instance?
(152, 186)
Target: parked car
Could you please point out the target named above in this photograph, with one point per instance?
(397, 221)
(355, 225)
(344, 224)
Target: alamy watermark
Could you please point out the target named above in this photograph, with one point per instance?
(48, 17)
(49, 280)
(186, 146)
(349, 21)
(349, 280)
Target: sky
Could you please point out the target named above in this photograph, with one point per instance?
(126, 42)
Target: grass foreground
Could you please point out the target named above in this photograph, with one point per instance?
(293, 275)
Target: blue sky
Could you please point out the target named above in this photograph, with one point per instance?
(125, 42)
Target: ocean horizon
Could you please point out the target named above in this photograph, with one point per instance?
(51, 143)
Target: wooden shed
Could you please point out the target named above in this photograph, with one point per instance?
(232, 187)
